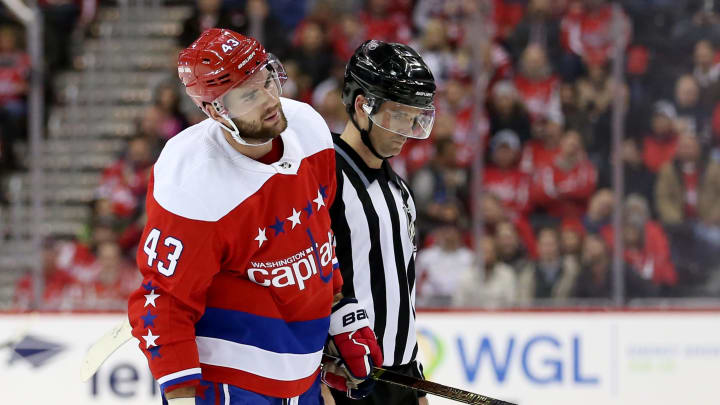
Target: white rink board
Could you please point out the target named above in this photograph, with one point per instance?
(577, 358)
(539, 358)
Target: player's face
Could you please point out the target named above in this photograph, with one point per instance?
(255, 107)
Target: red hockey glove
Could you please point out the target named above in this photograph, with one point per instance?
(352, 340)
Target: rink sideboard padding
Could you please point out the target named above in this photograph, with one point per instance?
(535, 357)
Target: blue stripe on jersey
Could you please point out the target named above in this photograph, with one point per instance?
(270, 334)
(179, 380)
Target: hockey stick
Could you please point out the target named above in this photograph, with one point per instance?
(429, 387)
(104, 347)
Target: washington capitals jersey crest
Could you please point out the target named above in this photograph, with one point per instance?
(238, 261)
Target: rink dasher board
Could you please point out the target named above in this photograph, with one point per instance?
(533, 358)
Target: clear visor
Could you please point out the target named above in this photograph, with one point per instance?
(402, 119)
(260, 92)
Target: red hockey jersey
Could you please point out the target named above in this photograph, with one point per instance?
(238, 260)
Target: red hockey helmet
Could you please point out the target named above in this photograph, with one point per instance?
(217, 62)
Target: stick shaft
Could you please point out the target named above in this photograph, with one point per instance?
(429, 387)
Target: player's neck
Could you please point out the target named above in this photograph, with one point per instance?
(253, 152)
(351, 136)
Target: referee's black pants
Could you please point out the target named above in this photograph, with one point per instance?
(385, 393)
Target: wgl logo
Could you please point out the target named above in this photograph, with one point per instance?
(553, 370)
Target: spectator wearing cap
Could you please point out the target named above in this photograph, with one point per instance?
(564, 188)
(537, 86)
(687, 187)
(647, 249)
(503, 177)
(637, 178)
(506, 111)
(495, 284)
(660, 144)
(554, 274)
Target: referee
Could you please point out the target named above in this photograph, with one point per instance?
(388, 93)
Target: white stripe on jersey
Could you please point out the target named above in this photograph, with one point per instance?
(251, 359)
(360, 252)
(407, 255)
(182, 373)
(392, 285)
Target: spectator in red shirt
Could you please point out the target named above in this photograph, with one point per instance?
(687, 187)
(660, 144)
(116, 279)
(564, 187)
(646, 245)
(538, 87)
(57, 280)
(542, 149)
(495, 213)
(124, 183)
(503, 177)
(383, 24)
(588, 28)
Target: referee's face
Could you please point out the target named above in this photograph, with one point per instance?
(387, 143)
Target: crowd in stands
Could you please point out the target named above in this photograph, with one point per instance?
(545, 140)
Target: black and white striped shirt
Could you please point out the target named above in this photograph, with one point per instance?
(373, 218)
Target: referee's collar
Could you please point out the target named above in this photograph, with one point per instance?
(357, 163)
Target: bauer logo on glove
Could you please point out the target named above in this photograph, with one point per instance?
(355, 345)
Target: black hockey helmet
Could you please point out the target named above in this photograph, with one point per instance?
(395, 73)
(390, 71)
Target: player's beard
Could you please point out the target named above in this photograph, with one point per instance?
(258, 132)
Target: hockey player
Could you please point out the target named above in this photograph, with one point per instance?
(237, 258)
(388, 93)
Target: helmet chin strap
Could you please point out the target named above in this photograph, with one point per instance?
(234, 131)
(365, 136)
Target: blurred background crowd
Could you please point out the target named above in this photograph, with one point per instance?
(542, 127)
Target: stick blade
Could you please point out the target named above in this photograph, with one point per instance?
(103, 348)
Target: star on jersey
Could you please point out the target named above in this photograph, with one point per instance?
(149, 286)
(148, 319)
(323, 190)
(319, 201)
(150, 339)
(154, 352)
(278, 226)
(295, 218)
(150, 299)
(308, 209)
(261, 238)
